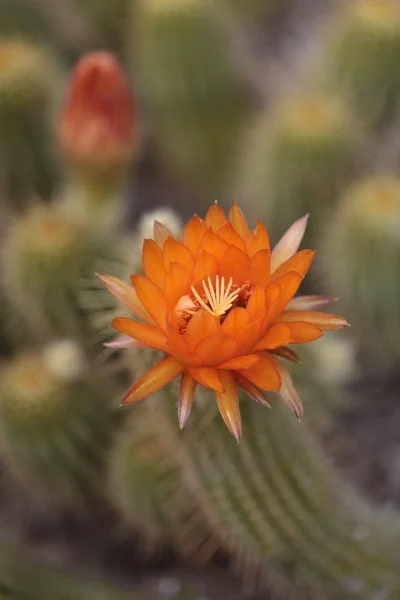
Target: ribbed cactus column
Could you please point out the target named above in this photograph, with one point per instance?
(28, 87)
(190, 90)
(360, 254)
(276, 503)
(362, 56)
(295, 160)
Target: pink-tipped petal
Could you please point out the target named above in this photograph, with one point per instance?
(287, 353)
(186, 396)
(124, 341)
(252, 390)
(165, 371)
(310, 302)
(228, 404)
(322, 320)
(288, 392)
(289, 243)
(126, 294)
(161, 234)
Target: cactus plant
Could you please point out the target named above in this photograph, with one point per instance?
(28, 87)
(46, 255)
(189, 89)
(362, 55)
(360, 252)
(56, 424)
(296, 159)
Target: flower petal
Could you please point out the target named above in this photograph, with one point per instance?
(126, 294)
(289, 243)
(123, 342)
(176, 342)
(310, 302)
(209, 378)
(302, 332)
(157, 377)
(200, 326)
(299, 263)
(252, 390)
(228, 404)
(278, 295)
(229, 234)
(235, 263)
(236, 322)
(205, 266)
(257, 239)
(241, 362)
(264, 374)
(152, 299)
(146, 334)
(161, 234)
(216, 349)
(213, 244)
(193, 234)
(238, 220)
(186, 396)
(323, 320)
(215, 217)
(177, 284)
(259, 268)
(256, 305)
(288, 391)
(153, 263)
(287, 353)
(174, 251)
(279, 335)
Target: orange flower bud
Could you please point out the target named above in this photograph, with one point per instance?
(97, 126)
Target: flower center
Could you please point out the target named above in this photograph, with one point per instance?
(219, 298)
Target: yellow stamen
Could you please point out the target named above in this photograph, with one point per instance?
(219, 298)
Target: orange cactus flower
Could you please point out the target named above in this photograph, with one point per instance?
(97, 126)
(220, 305)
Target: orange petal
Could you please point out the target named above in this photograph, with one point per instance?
(323, 320)
(279, 335)
(289, 243)
(157, 377)
(200, 326)
(259, 268)
(241, 362)
(205, 266)
(310, 302)
(236, 264)
(264, 374)
(288, 285)
(186, 396)
(216, 349)
(257, 239)
(299, 263)
(256, 304)
(177, 284)
(193, 234)
(238, 221)
(176, 342)
(215, 217)
(287, 391)
(153, 264)
(287, 353)
(174, 251)
(228, 404)
(146, 334)
(252, 390)
(209, 378)
(236, 322)
(214, 245)
(126, 294)
(302, 332)
(161, 234)
(152, 299)
(229, 234)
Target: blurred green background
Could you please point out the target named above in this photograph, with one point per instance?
(116, 113)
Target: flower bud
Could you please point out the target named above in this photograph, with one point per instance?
(97, 127)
